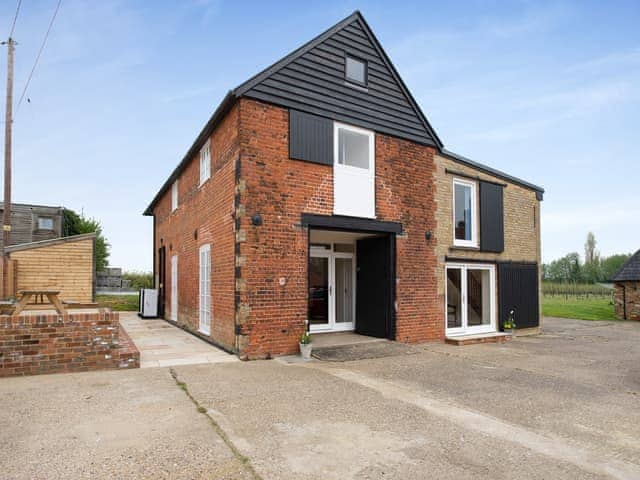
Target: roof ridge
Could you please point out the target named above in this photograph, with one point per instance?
(630, 270)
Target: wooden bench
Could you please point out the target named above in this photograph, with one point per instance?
(39, 304)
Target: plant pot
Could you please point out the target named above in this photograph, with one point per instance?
(305, 350)
(509, 331)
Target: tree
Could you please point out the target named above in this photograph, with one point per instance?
(609, 266)
(591, 271)
(590, 252)
(75, 224)
(567, 269)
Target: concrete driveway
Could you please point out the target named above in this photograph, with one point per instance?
(561, 405)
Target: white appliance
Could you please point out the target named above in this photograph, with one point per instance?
(148, 307)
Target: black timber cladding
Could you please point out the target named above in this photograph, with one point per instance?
(491, 217)
(310, 138)
(339, 222)
(313, 80)
(518, 290)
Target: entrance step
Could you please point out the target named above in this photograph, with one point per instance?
(494, 337)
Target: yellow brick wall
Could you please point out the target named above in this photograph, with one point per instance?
(67, 266)
(521, 220)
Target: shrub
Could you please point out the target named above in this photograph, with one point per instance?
(139, 280)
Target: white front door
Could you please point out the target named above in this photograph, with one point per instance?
(205, 289)
(331, 291)
(354, 171)
(470, 299)
(174, 288)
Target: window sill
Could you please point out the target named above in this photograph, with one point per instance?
(203, 182)
(352, 84)
(464, 248)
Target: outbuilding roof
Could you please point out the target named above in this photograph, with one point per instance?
(630, 271)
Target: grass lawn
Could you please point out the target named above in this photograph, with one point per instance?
(592, 308)
(118, 303)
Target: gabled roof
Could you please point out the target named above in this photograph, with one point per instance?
(407, 120)
(630, 271)
(492, 171)
(311, 78)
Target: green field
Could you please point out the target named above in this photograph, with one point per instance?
(118, 303)
(579, 307)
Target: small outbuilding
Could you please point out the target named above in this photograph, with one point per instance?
(626, 294)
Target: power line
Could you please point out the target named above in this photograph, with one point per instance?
(44, 41)
(15, 18)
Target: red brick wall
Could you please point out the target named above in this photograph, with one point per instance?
(209, 211)
(79, 342)
(628, 292)
(272, 316)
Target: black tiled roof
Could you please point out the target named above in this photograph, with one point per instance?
(630, 271)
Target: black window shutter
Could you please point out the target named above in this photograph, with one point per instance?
(518, 290)
(310, 138)
(491, 217)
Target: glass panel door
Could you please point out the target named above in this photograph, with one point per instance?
(470, 302)
(344, 292)
(454, 298)
(478, 297)
(319, 292)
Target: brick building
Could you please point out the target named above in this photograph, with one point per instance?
(319, 197)
(626, 289)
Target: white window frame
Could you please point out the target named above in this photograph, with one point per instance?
(205, 162)
(473, 243)
(174, 288)
(464, 329)
(174, 196)
(204, 300)
(369, 173)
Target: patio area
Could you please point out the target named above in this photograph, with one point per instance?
(164, 345)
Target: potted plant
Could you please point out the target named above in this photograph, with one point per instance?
(305, 345)
(510, 323)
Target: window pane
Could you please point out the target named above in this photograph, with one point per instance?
(355, 70)
(45, 223)
(344, 290)
(463, 212)
(353, 149)
(454, 298)
(318, 291)
(478, 297)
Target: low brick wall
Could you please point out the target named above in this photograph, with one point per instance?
(78, 342)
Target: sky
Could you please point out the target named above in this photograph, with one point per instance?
(546, 91)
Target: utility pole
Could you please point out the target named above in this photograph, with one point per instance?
(8, 124)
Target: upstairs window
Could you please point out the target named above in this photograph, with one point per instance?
(353, 147)
(205, 162)
(355, 70)
(464, 213)
(45, 223)
(174, 195)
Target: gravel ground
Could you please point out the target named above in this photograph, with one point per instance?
(117, 424)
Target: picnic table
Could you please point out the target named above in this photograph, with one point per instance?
(52, 296)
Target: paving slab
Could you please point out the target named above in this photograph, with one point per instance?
(164, 345)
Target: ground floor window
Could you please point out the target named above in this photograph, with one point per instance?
(205, 289)
(470, 299)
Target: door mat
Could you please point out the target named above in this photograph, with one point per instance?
(362, 351)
